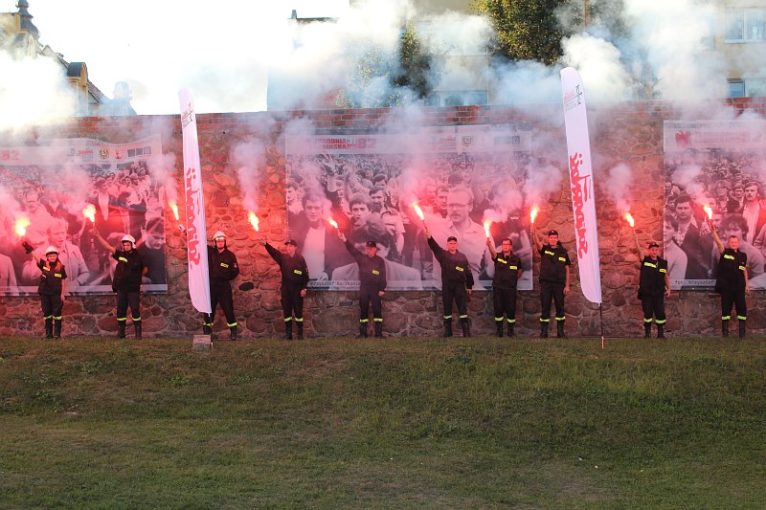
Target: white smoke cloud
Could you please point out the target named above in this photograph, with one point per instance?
(617, 185)
(598, 61)
(33, 91)
(676, 37)
(249, 158)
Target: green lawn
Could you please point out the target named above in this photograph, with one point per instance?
(399, 423)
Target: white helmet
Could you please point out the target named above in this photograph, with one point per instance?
(219, 234)
(51, 249)
(129, 238)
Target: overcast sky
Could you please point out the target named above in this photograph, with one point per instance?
(160, 46)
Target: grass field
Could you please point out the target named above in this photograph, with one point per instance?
(399, 423)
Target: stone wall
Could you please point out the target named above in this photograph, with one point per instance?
(631, 133)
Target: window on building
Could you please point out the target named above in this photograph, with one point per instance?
(736, 88)
(745, 25)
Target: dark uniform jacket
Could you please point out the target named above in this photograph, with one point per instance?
(372, 270)
(652, 277)
(553, 262)
(223, 266)
(129, 270)
(731, 271)
(295, 273)
(51, 279)
(506, 271)
(455, 268)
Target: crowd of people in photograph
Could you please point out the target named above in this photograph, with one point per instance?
(729, 185)
(371, 197)
(123, 200)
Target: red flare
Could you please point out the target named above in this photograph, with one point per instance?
(418, 211)
(90, 212)
(254, 221)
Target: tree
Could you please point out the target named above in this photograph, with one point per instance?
(525, 29)
(414, 62)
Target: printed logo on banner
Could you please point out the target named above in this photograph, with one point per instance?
(580, 195)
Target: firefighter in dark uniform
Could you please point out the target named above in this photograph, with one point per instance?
(507, 273)
(51, 290)
(732, 282)
(223, 267)
(653, 288)
(295, 278)
(554, 281)
(126, 283)
(457, 282)
(372, 285)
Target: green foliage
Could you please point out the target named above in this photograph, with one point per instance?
(525, 29)
(414, 64)
(404, 423)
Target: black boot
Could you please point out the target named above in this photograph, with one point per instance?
(499, 327)
(121, 329)
(300, 329)
(465, 324)
(648, 329)
(660, 331)
(544, 329)
(378, 330)
(289, 330)
(742, 329)
(560, 329)
(724, 328)
(510, 330)
(233, 333)
(207, 330)
(362, 330)
(447, 328)
(137, 329)
(48, 327)
(56, 328)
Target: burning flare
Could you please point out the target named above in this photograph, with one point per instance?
(332, 222)
(174, 208)
(487, 223)
(418, 211)
(90, 212)
(533, 213)
(254, 221)
(630, 220)
(21, 226)
(708, 211)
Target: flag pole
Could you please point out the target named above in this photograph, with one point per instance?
(601, 320)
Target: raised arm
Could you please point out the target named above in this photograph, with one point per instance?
(638, 245)
(538, 241)
(104, 244)
(275, 254)
(718, 242)
(491, 247)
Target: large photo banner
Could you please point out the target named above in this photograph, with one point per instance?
(715, 173)
(61, 193)
(375, 186)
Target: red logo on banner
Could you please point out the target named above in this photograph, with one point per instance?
(580, 195)
(191, 215)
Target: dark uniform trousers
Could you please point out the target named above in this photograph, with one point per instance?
(505, 303)
(125, 299)
(52, 306)
(369, 295)
(455, 291)
(292, 303)
(653, 307)
(736, 298)
(220, 294)
(550, 291)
